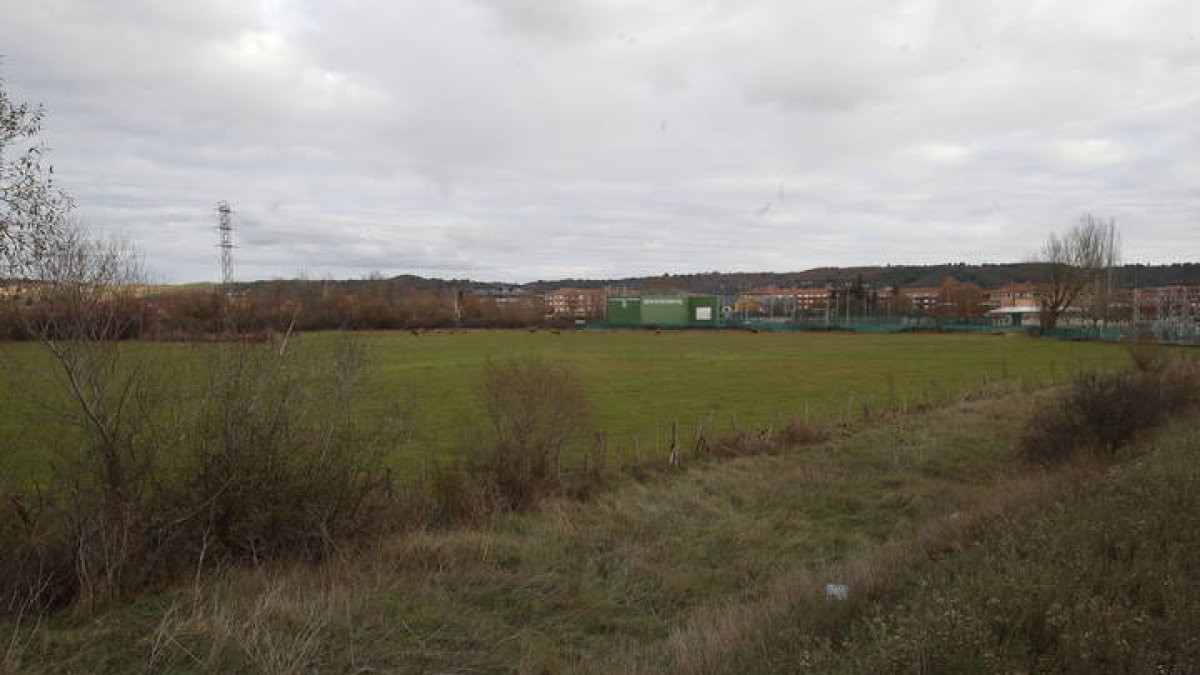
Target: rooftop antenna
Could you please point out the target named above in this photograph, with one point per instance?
(225, 228)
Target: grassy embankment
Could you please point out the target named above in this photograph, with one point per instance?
(1106, 580)
(638, 383)
(627, 580)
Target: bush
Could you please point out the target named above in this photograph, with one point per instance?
(1102, 411)
(275, 462)
(535, 410)
(267, 463)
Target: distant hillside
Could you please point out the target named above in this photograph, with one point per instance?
(722, 283)
(987, 276)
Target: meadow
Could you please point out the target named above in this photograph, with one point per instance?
(639, 384)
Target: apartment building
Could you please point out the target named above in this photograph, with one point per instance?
(575, 303)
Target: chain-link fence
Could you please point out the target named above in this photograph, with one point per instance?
(1172, 330)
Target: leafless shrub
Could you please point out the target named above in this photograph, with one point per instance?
(77, 536)
(269, 463)
(536, 410)
(262, 459)
(276, 462)
(35, 567)
(1052, 436)
(1102, 411)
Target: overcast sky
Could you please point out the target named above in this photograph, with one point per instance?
(523, 139)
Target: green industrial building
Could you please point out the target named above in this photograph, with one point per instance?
(670, 311)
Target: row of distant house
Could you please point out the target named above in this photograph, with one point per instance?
(917, 298)
(589, 303)
(1011, 302)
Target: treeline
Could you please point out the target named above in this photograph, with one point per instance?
(265, 307)
(372, 304)
(411, 302)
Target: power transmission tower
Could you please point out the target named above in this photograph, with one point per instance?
(225, 228)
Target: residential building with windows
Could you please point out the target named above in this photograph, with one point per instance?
(1014, 295)
(575, 303)
(923, 298)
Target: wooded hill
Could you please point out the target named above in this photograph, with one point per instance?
(987, 276)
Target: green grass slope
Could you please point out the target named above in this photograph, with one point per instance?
(1105, 581)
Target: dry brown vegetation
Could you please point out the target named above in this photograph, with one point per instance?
(190, 314)
(1099, 412)
(265, 462)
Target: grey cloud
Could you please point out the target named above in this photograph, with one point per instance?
(517, 139)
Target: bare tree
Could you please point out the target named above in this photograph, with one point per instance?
(958, 300)
(1075, 262)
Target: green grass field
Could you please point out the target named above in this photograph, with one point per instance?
(638, 383)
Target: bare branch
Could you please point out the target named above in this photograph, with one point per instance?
(1075, 261)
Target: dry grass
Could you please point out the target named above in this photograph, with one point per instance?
(277, 630)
